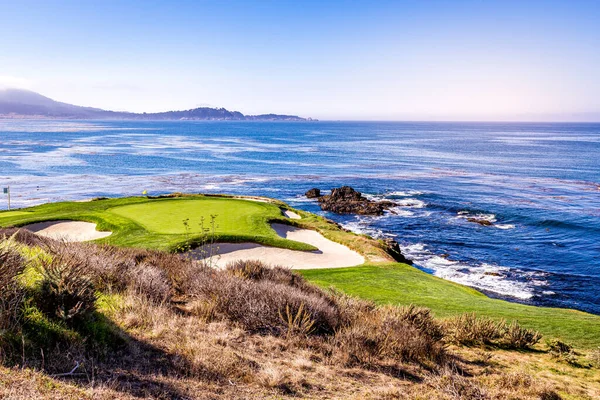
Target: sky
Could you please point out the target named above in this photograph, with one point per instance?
(348, 60)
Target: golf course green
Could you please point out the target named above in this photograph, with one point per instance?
(167, 223)
(174, 223)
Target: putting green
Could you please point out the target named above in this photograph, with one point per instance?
(8, 214)
(231, 216)
(158, 223)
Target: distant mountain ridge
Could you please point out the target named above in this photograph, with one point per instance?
(19, 103)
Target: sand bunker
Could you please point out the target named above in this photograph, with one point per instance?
(69, 231)
(291, 214)
(329, 255)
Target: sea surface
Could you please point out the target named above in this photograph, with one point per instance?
(537, 184)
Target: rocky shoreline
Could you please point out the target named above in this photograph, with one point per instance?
(347, 200)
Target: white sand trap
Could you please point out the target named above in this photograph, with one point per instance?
(69, 231)
(291, 214)
(329, 255)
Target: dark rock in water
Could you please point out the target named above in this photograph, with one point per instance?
(480, 221)
(492, 273)
(393, 249)
(346, 200)
(313, 193)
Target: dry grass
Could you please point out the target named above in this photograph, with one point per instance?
(65, 289)
(470, 330)
(166, 327)
(387, 334)
(11, 265)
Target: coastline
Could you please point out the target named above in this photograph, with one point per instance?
(379, 279)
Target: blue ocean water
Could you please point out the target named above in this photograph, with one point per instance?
(539, 185)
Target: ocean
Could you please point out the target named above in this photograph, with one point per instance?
(537, 184)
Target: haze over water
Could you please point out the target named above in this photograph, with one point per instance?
(538, 184)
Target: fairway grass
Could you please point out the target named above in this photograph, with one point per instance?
(402, 284)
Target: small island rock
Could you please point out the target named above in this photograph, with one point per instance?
(393, 249)
(480, 221)
(346, 200)
(313, 193)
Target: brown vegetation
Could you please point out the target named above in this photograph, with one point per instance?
(140, 323)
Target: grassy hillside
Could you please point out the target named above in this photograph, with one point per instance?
(403, 284)
(82, 321)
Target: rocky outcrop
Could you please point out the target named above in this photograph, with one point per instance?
(346, 200)
(393, 249)
(480, 221)
(313, 193)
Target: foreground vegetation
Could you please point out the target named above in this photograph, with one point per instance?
(89, 321)
(120, 318)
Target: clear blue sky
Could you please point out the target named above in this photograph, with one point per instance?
(393, 60)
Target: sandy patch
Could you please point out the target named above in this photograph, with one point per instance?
(291, 214)
(69, 231)
(254, 198)
(329, 255)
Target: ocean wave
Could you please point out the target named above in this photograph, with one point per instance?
(402, 212)
(487, 277)
(362, 227)
(406, 193)
(411, 203)
(505, 226)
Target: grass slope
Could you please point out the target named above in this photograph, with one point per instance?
(403, 284)
(159, 223)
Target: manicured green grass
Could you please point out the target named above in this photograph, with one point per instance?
(159, 223)
(403, 284)
(238, 217)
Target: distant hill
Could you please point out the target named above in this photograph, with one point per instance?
(19, 103)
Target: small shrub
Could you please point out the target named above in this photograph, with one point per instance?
(257, 305)
(548, 394)
(595, 358)
(260, 300)
(457, 386)
(150, 281)
(562, 351)
(516, 337)
(422, 319)
(385, 333)
(556, 346)
(248, 269)
(255, 270)
(65, 291)
(299, 323)
(469, 330)
(11, 294)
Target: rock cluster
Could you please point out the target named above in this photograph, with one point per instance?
(346, 200)
(393, 249)
(480, 221)
(313, 193)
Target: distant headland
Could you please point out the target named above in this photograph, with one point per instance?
(21, 104)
